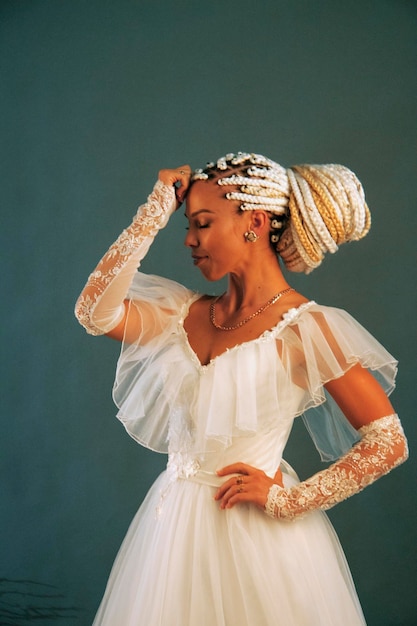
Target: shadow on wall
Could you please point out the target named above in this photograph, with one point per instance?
(24, 602)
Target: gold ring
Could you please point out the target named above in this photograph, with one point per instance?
(239, 480)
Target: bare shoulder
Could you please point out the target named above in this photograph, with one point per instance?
(202, 302)
(199, 307)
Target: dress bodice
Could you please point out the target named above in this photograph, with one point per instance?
(241, 405)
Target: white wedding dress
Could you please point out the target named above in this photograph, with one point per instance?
(185, 562)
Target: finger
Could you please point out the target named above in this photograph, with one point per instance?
(227, 494)
(255, 487)
(236, 495)
(183, 183)
(245, 493)
(226, 486)
(184, 170)
(235, 468)
(278, 479)
(182, 191)
(180, 174)
(237, 498)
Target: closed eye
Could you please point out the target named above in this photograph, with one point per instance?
(199, 226)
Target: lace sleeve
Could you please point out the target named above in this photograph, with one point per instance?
(382, 447)
(100, 307)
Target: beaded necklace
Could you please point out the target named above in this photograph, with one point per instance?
(247, 319)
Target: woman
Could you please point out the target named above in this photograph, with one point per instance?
(217, 382)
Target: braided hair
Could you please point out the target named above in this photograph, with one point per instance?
(313, 208)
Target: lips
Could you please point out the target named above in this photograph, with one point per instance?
(197, 259)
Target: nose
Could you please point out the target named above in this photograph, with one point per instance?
(190, 239)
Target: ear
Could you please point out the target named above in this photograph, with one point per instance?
(260, 221)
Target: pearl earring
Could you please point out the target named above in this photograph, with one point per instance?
(251, 236)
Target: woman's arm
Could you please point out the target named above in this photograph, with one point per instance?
(359, 396)
(382, 447)
(101, 307)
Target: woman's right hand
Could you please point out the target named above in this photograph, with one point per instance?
(180, 178)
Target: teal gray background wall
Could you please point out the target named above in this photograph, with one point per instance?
(96, 96)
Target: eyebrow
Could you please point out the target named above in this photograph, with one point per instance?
(197, 213)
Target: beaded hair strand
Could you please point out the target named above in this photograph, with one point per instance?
(313, 208)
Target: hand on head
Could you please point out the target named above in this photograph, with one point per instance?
(180, 178)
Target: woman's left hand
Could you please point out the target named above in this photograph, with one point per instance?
(251, 485)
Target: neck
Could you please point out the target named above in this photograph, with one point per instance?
(254, 287)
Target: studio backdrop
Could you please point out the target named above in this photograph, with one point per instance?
(96, 97)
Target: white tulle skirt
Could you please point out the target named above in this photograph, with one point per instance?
(185, 562)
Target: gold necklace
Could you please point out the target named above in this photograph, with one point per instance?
(247, 319)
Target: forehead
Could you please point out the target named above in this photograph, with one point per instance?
(205, 189)
(206, 195)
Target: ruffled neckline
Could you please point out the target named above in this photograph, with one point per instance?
(288, 317)
(163, 392)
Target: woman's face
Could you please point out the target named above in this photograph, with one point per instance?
(216, 231)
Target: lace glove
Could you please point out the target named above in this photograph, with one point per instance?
(100, 306)
(383, 446)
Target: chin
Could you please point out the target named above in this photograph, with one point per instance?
(212, 277)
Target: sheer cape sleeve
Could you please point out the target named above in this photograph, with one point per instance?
(146, 388)
(332, 341)
(253, 388)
